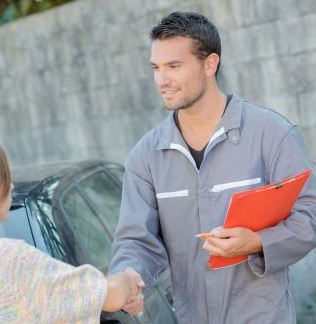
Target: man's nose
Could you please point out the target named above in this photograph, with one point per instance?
(161, 78)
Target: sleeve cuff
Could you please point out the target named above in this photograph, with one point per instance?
(256, 262)
(101, 292)
(259, 262)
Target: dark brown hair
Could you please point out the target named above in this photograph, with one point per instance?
(194, 25)
(5, 175)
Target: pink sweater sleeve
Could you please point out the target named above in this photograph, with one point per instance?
(40, 289)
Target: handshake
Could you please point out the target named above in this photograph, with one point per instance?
(124, 291)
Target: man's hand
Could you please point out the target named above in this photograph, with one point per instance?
(135, 303)
(232, 242)
(121, 287)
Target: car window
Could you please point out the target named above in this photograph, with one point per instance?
(17, 225)
(105, 194)
(88, 229)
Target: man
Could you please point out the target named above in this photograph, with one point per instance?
(180, 178)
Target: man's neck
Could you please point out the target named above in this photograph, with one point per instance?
(206, 113)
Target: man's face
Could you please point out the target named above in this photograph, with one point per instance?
(178, 73)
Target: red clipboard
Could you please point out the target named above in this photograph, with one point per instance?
(260, 208)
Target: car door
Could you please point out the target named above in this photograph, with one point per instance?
(91, 208)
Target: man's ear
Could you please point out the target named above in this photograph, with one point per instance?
(210, 64)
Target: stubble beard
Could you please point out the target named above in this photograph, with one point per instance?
(189, 101)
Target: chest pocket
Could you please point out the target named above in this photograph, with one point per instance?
(220, 195)
(177, 214)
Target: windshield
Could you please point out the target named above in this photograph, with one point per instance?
(40, 204)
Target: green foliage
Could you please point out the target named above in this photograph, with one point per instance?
(14, 9)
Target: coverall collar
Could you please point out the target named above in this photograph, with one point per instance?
(230, 124)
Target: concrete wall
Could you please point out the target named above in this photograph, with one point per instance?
(75, 82)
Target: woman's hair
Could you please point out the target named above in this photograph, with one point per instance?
(5, 175)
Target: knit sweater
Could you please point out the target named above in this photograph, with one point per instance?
(35, 288)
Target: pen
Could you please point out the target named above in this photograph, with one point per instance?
(204, 235)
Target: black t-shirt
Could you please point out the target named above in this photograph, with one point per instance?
(198, 155)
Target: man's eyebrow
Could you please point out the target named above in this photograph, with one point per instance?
(168, 63)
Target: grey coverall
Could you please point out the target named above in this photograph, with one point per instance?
(167, 200)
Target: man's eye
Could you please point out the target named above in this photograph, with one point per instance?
(154, 67)
(174, 66)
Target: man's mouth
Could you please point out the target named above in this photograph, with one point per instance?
(168, 94)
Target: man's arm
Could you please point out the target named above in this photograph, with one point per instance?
(292, 239)
(137, 242)
(286, 243)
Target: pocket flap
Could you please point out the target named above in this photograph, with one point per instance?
(235, 184)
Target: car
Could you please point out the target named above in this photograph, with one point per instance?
(70, 211)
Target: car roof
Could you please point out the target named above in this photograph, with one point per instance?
(26, 178)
